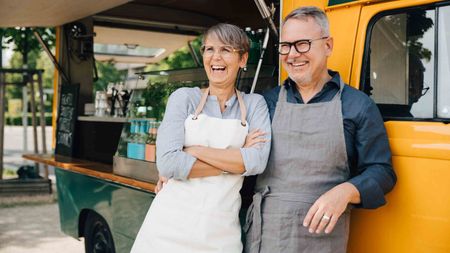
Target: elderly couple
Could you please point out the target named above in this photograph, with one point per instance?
(327, 144)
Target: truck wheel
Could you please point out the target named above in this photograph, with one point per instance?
(97, 236)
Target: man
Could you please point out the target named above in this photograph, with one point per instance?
(329, 149)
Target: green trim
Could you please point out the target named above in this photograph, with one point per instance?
(336, 2)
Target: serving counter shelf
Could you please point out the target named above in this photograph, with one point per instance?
(89, 168)
(102, 119)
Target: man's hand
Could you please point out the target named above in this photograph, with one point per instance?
(161, 182)
(254, 138)
(327, 209)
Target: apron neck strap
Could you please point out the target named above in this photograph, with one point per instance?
(240, 101)
(282, 95)
(242, 107)
(341, 87)
(201, 104)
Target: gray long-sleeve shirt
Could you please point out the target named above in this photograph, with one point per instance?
(173, 162)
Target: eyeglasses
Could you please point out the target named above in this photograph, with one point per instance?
(223, 51)
(301, 46)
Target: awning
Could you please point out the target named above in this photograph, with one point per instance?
(45, 13)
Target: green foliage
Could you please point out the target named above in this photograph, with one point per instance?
(36, 60)
(24, 40)
(157, 94)
(27, 48)
(44, 62)
(9, 172)
(158, 90)
(13, 91)
(16, 120)
(107, 73)
(179, 59)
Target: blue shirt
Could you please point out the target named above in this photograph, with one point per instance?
(173, 162)
(369, 155)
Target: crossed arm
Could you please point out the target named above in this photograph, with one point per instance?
(179, 162)
(214, 161)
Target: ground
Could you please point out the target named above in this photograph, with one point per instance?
(34, 228)
(30, 224)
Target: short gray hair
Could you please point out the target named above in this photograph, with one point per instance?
(231, 35)
(303, 13)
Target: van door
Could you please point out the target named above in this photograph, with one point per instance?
(405, 70)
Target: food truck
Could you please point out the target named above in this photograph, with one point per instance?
(397, 52)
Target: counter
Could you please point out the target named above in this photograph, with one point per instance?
(89, 168)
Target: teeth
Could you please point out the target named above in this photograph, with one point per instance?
(298, 64)
(218, 67)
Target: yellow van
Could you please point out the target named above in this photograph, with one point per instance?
(398, 52)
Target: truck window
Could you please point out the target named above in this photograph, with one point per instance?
(443, 103)
(400, 74)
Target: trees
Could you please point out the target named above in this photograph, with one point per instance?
(28, 54)
(107, 73)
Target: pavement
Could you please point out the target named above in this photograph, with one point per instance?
(34, 229)
(30, 224)
(14, 145)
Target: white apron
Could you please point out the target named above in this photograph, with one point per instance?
(201, 214)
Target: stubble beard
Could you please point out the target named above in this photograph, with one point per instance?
(302, 80)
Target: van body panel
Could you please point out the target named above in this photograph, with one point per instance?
(123, 207)
(415, 218)
(343, 23)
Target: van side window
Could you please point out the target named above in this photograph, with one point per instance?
(400, 75)
(443, 98)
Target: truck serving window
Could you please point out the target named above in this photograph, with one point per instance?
(400, 65)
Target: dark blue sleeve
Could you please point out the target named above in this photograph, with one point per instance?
(374, 176)
(271, 97)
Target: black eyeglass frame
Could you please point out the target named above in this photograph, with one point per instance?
(295, 43)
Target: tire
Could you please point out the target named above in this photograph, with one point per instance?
(97, 235)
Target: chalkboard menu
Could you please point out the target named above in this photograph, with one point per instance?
(67, 117)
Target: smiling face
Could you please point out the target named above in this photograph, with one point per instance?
(220, 64)
(310, 67)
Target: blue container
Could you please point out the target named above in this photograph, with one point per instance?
(136, 150)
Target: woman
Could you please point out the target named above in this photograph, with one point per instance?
(200, 148)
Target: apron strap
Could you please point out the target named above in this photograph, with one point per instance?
(282, 95)
(341, 88)
(242, 107)
(254, 219)
(201, 104)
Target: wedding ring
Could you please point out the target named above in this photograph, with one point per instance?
(326, 217)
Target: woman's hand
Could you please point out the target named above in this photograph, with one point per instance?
(254, 138)
(161, 182)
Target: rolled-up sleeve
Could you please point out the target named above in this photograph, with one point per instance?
(171, 160)
(255, 158)
(374, 176)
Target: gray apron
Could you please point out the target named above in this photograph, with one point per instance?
(308, 158)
